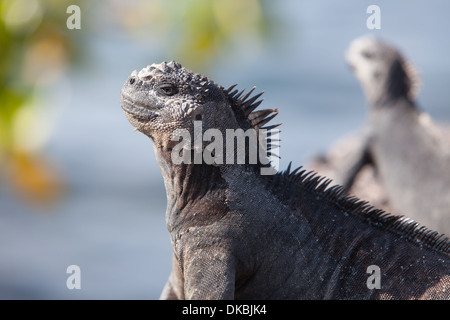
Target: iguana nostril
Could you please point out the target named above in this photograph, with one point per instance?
(132, 80)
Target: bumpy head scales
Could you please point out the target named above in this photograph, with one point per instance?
(164, 97)
(165, 80)
(197, 85)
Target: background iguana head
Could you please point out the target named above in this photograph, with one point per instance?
(164, 97)
(381, 69)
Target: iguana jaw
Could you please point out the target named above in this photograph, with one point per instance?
(363, 57)
(135, 101)
(136, 110)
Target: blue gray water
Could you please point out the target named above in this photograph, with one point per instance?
(111, 223)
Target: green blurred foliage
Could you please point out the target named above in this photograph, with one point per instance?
(35, 50)
(196, 32)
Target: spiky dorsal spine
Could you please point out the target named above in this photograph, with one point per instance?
(287, 183)
(257, 119)
(415, 82)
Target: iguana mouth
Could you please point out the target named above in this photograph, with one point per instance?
(137, 110)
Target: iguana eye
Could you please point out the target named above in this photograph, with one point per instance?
(167, 89)
(367, 55)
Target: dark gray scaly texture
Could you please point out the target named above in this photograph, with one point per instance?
(237, 234)
(409, 152)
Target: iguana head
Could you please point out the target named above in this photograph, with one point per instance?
(162, 98)
(382, 71)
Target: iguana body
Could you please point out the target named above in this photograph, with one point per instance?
(237, 234)
(410, 153)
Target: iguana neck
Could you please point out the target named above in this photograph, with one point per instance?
(397, 86)
(401, 108)
(188, 186)
(381, 95)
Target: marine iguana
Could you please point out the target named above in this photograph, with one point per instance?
(237, 234)
(409, 152)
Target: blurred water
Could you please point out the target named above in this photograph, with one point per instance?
(111, 223)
